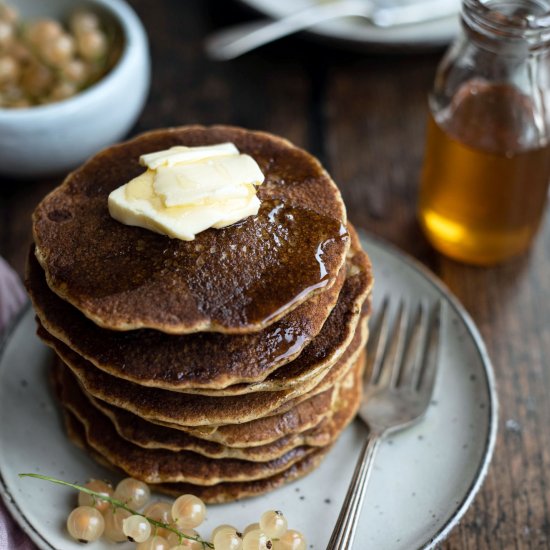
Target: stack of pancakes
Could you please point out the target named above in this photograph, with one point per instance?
(223, 366)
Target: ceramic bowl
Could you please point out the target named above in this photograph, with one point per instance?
(54, 138)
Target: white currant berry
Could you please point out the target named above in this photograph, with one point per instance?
(91, 44)
(134, 493)
(175, 540)
(251, 527)
(113, 524)
(18, 50)
(227, 538)
(36, 79)
(75, 71)
(292, 540)
(136, 528)
(7, 33)
(58, 50)
(63, 90)
(188, 511)
(83, 21)
(154, 543)
(85, 524)
(159, 511)
(9, 69)
(84, 499)
(8, 13)
(273, 524)
(42, 31)
(222, 527)
(256, 540)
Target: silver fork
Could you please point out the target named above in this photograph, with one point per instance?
(403, 370)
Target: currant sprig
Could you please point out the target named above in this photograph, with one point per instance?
(119, 504)
(162, 525)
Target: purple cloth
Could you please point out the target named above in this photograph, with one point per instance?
(11, 536)
(12, 297)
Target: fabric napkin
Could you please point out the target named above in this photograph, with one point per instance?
(12, 298)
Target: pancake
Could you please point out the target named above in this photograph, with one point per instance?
(185, 363)
(149, 436)
(213, 494)
(305, 415)
(291, 398)
(233, 280)
(196, 410)
(162, 466)
(180, 362)
(228, 492)
(204, 361)
(297, 374)
(158, 465)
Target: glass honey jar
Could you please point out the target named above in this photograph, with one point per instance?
(485, 179)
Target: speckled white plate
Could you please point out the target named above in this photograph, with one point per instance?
(358, 33)
(424, 478)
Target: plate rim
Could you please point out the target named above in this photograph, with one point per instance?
(492, 409)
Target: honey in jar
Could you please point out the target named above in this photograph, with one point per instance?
(487, 162)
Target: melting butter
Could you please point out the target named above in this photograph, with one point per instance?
(184, 155)
(186, 190)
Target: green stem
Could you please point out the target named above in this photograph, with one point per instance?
(119, 504)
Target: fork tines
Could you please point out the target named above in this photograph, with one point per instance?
(405, 354)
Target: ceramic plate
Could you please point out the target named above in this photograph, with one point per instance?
(357, 32)
(424, 479)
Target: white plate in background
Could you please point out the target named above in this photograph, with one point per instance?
(424, 478)
(358, 32)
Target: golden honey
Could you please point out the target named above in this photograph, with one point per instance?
(482, 193)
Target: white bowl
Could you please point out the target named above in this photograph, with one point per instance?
(51, 139)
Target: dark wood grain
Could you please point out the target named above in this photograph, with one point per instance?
(364, 116)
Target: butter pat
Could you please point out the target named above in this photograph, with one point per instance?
(186, 190)
(185, 155)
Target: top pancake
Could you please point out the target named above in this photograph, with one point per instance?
(233, 280)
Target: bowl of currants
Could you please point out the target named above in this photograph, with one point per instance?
(74, 75)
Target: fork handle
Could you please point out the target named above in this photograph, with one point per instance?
(346, 525)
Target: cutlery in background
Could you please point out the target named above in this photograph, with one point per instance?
(237, 40)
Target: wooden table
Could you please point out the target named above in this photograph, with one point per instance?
(364, 117)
